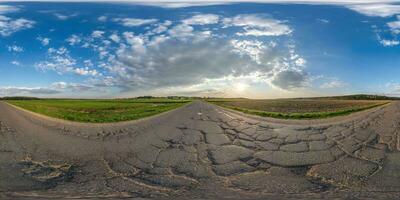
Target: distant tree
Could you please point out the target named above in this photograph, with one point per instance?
(145, 97)
(20, 98)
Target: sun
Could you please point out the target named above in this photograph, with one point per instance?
(240, 87)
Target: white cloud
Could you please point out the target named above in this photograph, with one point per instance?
(97, 34)
(63, 16)
(301, 62)
(61, 62)
(257, 25)
(181, 56)
(187, 3)
(376, 10)
(251, 48)
(136, 42)
(393, 86)
(181, 31)
(202, 19)
(114, 37)
(132, 22)
(333, 84)
(8, 9)
(54, 88)
(9, 26)
(75, 87)
(59, 85)
(395, 25)
(73, 40)
(186, 57)
(169, 56)
(86, 71)
(157, 40)
(88, 63)
(389, 43)
(26, 90)
(161, 27)
(102, 18)
(324, 21)
(15, 48)
(44, 41)
(178, 4)
(16, 63)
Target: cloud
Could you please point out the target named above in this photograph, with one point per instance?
(176, 4)
(376, 10)
(132, 22)
(186, 57)
(324, 21)
(181, 31)
(14, 62)
(202, 19)
(75, 87)
(15, 48)
(395, 25)
(9, 26)
(290, 79)
(8, 9)
(54, 88)
(86, 71)
(257, 25)
(102, 18)
(180, 56)
(97, 34)
(251, 48)
(161, 27)
(175, 55)
(61, 62)
(73, 40)
(389, 43)
(114, 37)
(333, 84)
(88, 63)
(64, 17)
(44, 41)
(26, 90)
(187, 3)
(388, 40)
(393, 87)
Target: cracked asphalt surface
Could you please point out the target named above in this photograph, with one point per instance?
(201, 151)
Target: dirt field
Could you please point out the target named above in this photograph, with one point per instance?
(298, 108)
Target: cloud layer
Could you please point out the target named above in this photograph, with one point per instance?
(9, 26)
(208, 52)
(180, 56)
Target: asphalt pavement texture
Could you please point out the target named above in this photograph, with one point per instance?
(201, 151)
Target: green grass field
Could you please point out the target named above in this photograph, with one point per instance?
(298, 108)
(99, 111)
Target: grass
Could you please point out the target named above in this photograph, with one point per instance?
(298, 108)
(99, 111)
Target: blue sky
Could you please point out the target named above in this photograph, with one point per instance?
(255, 50)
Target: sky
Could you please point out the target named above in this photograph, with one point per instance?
(253, 49)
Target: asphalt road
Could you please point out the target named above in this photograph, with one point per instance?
(201, 151)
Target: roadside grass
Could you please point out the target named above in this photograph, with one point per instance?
(99, 111)
(320, 109)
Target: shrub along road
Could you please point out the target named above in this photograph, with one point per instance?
(201, 151)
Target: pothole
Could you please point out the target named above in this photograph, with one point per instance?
(47, 172)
